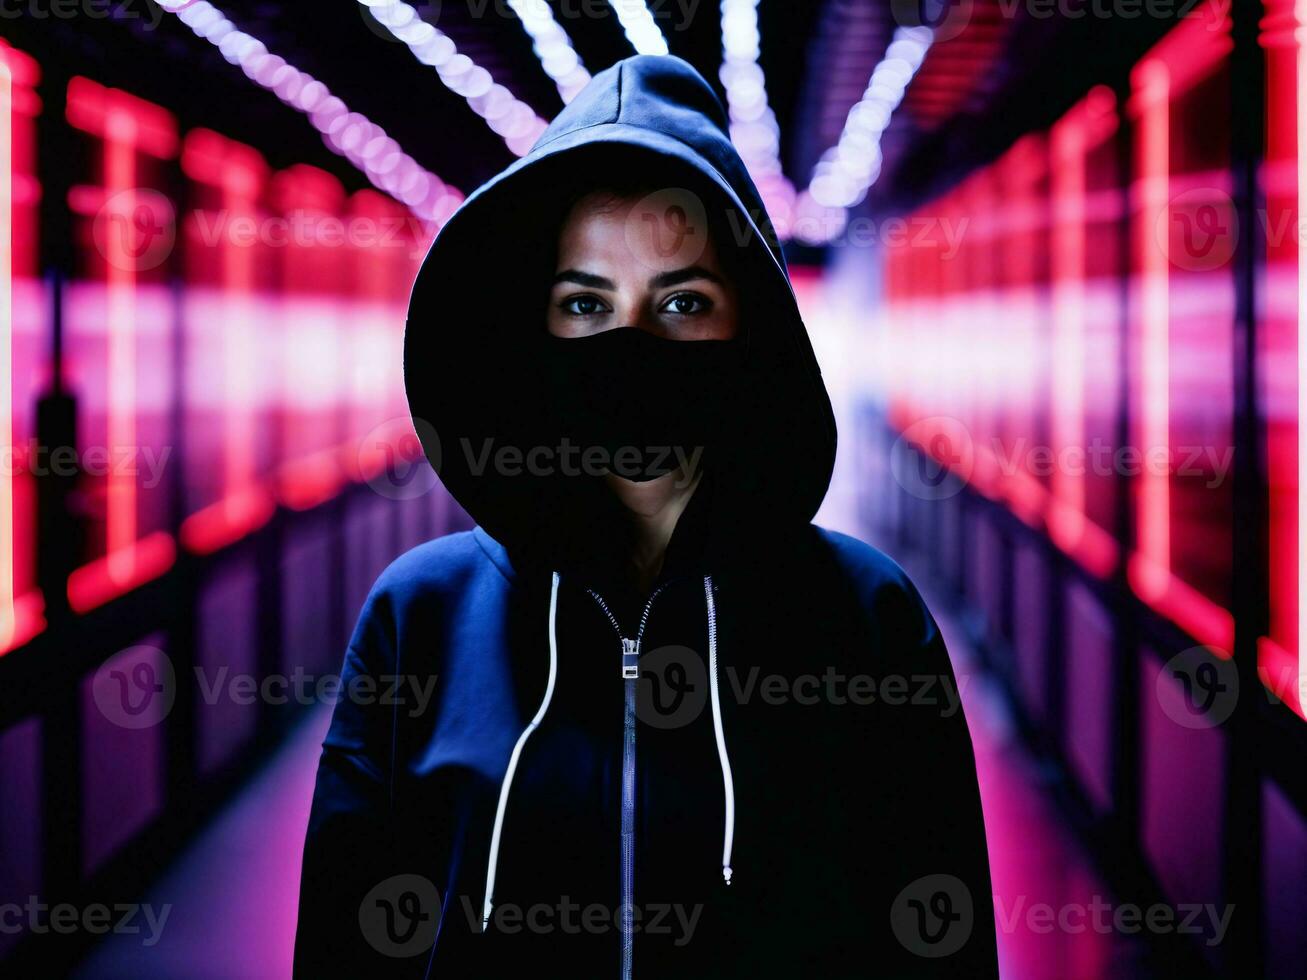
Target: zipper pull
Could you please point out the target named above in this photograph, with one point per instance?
(630, 660)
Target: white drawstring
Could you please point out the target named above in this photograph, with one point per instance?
(507, 784)
(728, 782)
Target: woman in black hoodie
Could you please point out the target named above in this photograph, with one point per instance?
(607, 366)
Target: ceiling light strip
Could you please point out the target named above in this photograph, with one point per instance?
(848, 170)
(552, 46)
(350, 134)
(511, 118)
(641, 29)
(754, 129)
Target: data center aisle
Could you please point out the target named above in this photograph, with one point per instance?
(233, 891)
(1038, 868)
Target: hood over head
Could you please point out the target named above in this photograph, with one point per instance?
(476, 324)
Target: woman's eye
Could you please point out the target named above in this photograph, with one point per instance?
(582, 305)
(687, 304)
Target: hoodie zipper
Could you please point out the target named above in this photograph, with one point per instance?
(630, 677)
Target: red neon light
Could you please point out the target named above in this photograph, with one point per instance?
(1280, 662)
(108, 577)
(120, 177)
(1295, 695)
(1023, 223)
(1152, 89)
(21, 605)
(1206, 621)
(95, 109)
(8, 593)
(227, 521)
(1186, 58)
(127, 126)
(1194, 47)
(981, 203)
(956, 62)
(1085, 126)
(314, 280)
(1279, 671)
(312, 480)
(239, 174)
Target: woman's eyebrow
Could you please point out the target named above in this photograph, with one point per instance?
(677, 276)
(584, 279)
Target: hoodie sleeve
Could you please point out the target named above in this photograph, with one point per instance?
(348, 851)
(929, 897)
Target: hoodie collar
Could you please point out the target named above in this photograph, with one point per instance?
(697, 547)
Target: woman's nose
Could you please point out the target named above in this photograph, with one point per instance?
(640, 315)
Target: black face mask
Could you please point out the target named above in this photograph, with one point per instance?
(641, 405)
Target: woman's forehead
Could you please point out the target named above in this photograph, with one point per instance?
(658, 231)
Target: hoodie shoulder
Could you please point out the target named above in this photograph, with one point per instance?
(414, 590)
(433, 565)
(862, 559)
(883, 589)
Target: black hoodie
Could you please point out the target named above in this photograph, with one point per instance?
(777, 782)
